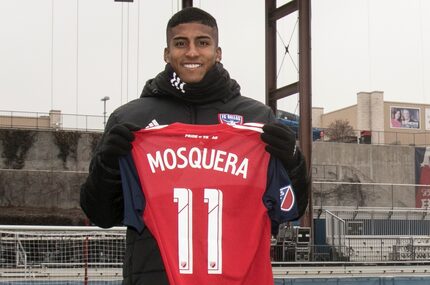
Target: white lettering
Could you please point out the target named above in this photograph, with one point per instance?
(243, 168)
(205, 158)
(211, 159)
(198, 161)
(169, 153)
(230, 162)
(155, 163)
(182, 157)
(219, 159)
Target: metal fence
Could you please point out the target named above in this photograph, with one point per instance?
(359, 194)
(48, 253)
(335, 232)
(57, 120)
(375, 234)
(366, 250)
(91, 252)
(386, 137)
(51, 120)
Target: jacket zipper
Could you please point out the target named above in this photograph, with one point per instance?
(193, 112)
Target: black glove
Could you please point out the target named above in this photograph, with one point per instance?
(281, 143)
(117, 142)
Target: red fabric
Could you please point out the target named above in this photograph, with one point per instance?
(423, 194)
(244, 232)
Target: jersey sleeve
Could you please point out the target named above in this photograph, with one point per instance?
(134, 201)
(279, 198)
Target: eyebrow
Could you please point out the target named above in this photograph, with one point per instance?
(197, 38)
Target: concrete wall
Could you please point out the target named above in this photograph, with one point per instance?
(45, 190)
(360, 163)
(40, 183)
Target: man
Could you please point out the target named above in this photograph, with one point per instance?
(408, 121)
(194, 89)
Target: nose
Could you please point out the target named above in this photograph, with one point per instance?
(192, 50)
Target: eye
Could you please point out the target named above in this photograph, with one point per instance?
(203, 43)
(179, 44)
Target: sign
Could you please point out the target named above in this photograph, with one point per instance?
(405, 118)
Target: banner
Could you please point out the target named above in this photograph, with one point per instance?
(422, 177)
(427, 119)
(402, 117)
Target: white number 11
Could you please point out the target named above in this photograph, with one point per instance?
(184, 198)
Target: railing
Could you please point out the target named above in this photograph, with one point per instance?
(335, 231)
(50, 253)
(358, 194)
(90, 254)
(76, 249)
(58, 120)
(89, 248)
(21, 255)
(51, 120)
(402, 137)
(372, 250)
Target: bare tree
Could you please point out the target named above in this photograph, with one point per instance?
(340, 131)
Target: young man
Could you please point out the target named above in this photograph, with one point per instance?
(408, 121)
(193, 89)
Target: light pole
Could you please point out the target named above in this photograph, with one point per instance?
(104, 99)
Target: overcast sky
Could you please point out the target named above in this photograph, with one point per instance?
(68, 54)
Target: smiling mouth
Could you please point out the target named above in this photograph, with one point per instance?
(192, 65)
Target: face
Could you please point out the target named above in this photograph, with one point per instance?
(192, 50)
(397, 115)
(406, 114)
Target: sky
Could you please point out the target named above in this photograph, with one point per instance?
(68, 54)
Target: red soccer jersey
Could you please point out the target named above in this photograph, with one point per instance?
(203, 188)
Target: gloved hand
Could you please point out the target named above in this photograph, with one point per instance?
(117, 142)
(281, 143)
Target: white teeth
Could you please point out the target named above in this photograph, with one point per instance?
(191, 65)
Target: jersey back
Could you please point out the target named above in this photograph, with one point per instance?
(203, 189)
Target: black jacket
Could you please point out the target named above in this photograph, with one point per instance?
(162, 102)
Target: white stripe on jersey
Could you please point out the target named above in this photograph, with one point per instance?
(257, 127)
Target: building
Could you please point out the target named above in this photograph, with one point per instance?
(55, 120)
(381, 122)
(30, 120)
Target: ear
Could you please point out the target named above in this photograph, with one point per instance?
(166, 55)
(218, 54)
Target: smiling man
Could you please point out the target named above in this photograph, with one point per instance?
(192, 49)
(194, 89)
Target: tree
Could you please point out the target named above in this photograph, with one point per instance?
(341, 131)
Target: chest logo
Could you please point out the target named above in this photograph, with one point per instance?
(230, 119)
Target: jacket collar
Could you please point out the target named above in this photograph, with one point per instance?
(216, 85)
